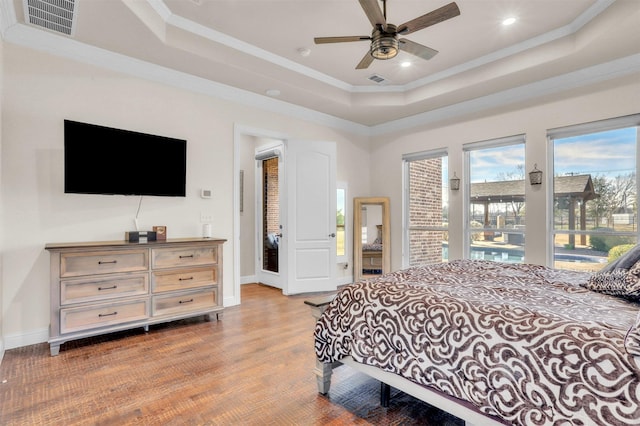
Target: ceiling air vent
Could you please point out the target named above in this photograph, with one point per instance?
(54, 15)
(378, 79)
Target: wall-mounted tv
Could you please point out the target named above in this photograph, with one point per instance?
(103, 160)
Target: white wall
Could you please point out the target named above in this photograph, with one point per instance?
(40, 91)
(248, 217)
(604, 101)
(1, 207)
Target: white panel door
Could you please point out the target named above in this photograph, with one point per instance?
(311, 200)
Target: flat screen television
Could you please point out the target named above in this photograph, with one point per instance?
(104, 160)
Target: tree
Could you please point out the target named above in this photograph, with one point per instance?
(602, 205)
(517, 174)
(614, 195)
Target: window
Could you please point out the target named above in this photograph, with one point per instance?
(594, 191)
(341, 215)
(426, 204)
(495, 226)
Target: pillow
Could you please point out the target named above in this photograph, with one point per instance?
(619, 282)
(626, 261)
(632, 339)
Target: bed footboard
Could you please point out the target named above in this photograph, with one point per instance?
(323, 372)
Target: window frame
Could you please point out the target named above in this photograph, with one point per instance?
(519, 139)
(584, 129)
(406, 199)
(343, 186)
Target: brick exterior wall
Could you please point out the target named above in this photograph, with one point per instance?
(425, 210)
(271, 192)
(271, 210)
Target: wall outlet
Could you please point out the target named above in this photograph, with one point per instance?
(206, 217)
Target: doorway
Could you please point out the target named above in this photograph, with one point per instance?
(306, 256)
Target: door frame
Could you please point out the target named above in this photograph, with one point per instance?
(239, 132)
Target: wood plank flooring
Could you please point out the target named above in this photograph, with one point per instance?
(254, 367)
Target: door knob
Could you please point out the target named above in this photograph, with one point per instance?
(332, 235)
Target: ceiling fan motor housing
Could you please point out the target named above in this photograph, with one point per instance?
(384, 44)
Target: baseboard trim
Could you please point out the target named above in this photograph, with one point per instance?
(249, 279)
(33, 337)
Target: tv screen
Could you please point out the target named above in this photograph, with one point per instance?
(103, 160)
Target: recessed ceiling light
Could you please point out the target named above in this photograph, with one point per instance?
(304, 51)
(273, 93)
(509, 21)
(405, 64)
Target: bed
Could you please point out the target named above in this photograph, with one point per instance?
(494, 343)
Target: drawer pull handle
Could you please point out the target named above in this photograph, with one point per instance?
(185, 279)
(108, 315)
(185, 301)
(113, 287)
(185, 257)
(100, 262)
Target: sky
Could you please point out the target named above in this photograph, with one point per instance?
(611, 153)
(488, 164)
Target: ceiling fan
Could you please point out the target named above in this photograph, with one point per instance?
(384, 37)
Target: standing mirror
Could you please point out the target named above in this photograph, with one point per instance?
(371, 237)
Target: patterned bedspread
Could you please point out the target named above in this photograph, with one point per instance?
(523, 342)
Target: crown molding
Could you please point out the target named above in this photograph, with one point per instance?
(171, 19)
(51, 43)
(54, 44)
(584, 77)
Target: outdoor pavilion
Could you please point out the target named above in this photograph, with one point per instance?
(568, 190)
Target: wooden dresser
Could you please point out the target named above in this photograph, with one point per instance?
(101, 287)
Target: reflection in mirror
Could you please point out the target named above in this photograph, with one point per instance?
(371, 237)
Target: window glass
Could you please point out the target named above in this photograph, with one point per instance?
(426, 209)
(496, 203)
(594, 197)
(341, 234)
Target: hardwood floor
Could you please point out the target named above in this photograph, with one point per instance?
(253, 367)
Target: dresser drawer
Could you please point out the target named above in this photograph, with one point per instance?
(175, 257)
(94, 316)
(171, 304)
(103, 262)
(183, 279)
(103, 287)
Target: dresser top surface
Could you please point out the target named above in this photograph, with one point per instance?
(122, 243)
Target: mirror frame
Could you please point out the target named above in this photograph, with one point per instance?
(358, 202)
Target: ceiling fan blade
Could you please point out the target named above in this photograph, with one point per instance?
(365, 62)
(373, 12)
(442, 14)
(417, 49)
(323, 40)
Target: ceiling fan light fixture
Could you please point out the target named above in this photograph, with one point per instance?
(384, 44)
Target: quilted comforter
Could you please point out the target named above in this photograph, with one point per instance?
(522, 342)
